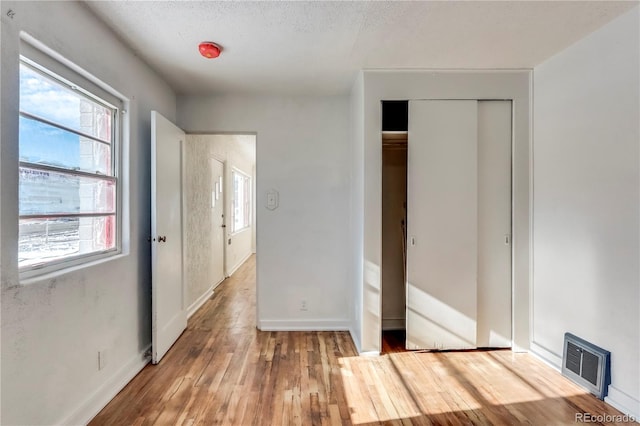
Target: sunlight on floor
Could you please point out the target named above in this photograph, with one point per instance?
(382, 396)
(412, 385)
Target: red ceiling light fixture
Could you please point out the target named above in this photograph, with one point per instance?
(209, 49)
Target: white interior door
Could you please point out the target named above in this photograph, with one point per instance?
(442, 225)
(494, 224)
(217, 221)
(459, 222)
(168, 316)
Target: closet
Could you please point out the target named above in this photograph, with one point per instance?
(456, 240)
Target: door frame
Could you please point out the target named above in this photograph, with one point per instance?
(227, 205)
(374, 86)
(225, 202)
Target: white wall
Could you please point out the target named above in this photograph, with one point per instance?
(303, 246)
(53, 327)
(390, 85)
(586, 202)
(199, 234)
(356, 214)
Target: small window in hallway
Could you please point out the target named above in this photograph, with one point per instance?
(241, 201)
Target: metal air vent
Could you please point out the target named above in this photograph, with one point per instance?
(586, 364)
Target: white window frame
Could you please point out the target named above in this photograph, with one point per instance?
(247, 201)
(47, 62)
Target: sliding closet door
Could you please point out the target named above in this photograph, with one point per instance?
(494, 224)
(442, 220)
(459, 223)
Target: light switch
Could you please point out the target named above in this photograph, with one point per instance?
(272, 199)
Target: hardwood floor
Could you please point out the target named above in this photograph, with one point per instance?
(393, 341)
(223, 371)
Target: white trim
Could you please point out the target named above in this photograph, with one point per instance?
(27, 279)
(370, 353)
(95, 402)
(239, 264)
(38, 45)
(236, 170)
(616, 398)
(354, 339)
(393, 324)
(504, 84)
(193, 308)
(623, 402)
(54, 66)
(304, 325)
(552, 359)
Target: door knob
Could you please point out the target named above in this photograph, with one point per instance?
(162, 239)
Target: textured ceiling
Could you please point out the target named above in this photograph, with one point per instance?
(317, 47)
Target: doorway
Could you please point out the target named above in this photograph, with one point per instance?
(219, 209)
(394, 235)
(199, 183)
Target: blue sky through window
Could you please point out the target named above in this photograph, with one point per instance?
(42, 143)
(42, 97)
(44, 192)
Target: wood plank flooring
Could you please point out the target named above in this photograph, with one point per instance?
(224, 371)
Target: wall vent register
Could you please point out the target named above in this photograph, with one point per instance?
(587, 365)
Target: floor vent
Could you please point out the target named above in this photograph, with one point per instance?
(586, 364)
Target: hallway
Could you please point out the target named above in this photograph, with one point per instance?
(224, 371)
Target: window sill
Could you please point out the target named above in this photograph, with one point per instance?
(240, 231)
(35, 276)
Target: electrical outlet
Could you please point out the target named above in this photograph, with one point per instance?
(303, 305)
(102, 359)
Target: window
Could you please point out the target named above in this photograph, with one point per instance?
(241, 201)
(68, 183)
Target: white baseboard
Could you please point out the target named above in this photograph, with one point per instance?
(356, 342)
(393, 324)
(238, 265)
(193, 308)
(95, 402)
(624, 402)
(354, 338)
(616, 398)
(303, 325)
(545, 355)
